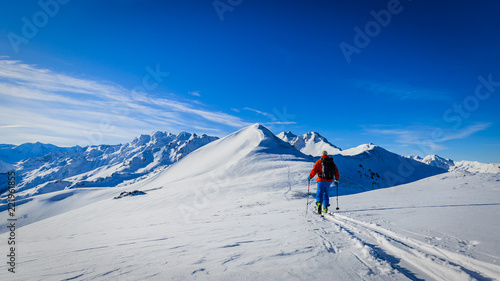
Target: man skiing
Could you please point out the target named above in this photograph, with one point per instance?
(326, 170)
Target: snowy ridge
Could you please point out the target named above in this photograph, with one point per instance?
(231, 154)
(311, 143)
(366, 166)
(359, 149)
(104, 165)
(286, 136)
(372, 166)
(476, 167)
(464, 166)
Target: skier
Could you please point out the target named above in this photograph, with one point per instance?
(326, 170)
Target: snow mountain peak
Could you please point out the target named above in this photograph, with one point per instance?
(311, 143)
(253, 150)
(463, 166)
(286, 136)
(361, 149)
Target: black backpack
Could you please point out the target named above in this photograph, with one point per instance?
(328, 168)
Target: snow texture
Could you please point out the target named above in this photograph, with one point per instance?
(235, 209)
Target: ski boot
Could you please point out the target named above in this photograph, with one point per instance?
(319, 207)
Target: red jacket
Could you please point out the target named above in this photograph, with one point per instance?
(317, 170)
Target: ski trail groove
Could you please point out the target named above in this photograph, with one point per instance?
(438, 263)
(368, 256)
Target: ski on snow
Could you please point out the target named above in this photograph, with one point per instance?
(328, 213)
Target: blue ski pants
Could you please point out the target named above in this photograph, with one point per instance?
(322, 193)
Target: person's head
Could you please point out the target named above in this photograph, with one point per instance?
(324, 153)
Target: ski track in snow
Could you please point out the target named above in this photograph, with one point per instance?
(381, 248)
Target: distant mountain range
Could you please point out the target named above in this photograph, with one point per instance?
(43, 168)
(14, 153)
(313, 143)
(465, 166)
(47, 168)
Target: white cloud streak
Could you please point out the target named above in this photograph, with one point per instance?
(402, 91)
(47, 105)
(431, 138)
(269, 115)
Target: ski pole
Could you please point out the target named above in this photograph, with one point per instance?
(308, 184)
(337, 195)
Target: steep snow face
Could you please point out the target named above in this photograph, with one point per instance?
(366, 166)
(371, 166)
(232, 154)
(104, 165)
(311, 143)
(436, 161)
(464, 166)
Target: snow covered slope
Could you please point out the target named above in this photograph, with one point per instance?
(366, 166)
(5, 167)
(235, 209)
(104, 165)
(371, 166)
(465, 166)
(476, 167)
(439, 228)
(246, 152)
(310, 143)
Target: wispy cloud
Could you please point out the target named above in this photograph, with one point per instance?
(430, 139)
(402, 91)
(47, 106)
(12, 126)
(464, 133)
(269, 115)
(279, 119)
(195, 94)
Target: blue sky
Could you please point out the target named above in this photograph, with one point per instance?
(415, 77)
